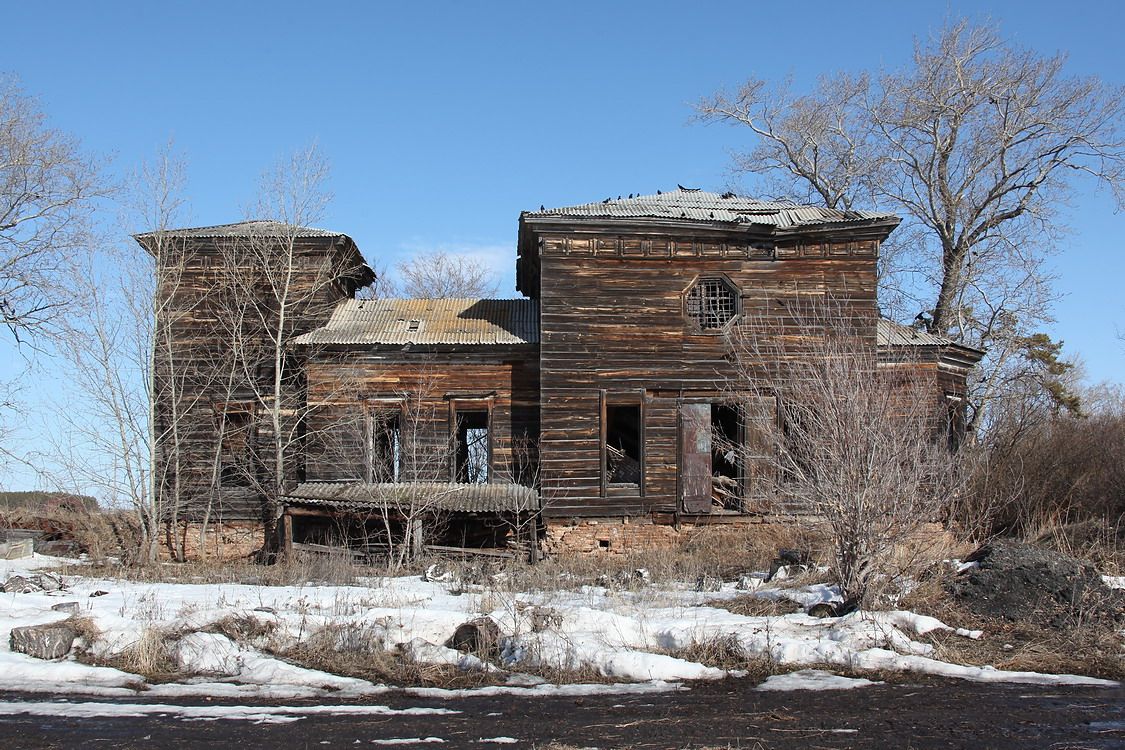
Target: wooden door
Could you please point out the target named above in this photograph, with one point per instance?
(695, 457)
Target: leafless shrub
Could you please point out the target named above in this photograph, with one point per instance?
(858, 445)
(1060, 481)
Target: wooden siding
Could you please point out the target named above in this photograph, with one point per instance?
(612, 323)
(197, 316)
(425, 387)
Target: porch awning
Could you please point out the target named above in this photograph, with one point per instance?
(465, 498)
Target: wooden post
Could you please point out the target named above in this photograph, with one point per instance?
(286, 536)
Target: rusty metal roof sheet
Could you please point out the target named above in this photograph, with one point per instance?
(253, 228)
(466, 498)
(891, 333)
(697, 205)
(486, 322)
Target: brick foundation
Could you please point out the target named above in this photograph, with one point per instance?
(232, 540)
(612, 535)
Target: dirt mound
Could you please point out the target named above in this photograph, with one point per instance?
(1016, 581)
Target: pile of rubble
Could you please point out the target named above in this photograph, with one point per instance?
(1016, 581)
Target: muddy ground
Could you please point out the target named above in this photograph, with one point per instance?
(914, 713)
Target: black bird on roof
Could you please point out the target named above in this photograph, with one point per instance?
(727, 195)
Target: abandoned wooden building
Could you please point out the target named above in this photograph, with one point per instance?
(585, 415)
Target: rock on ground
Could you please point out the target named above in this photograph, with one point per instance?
(43, 641)
(479, 636)
(1021, 582)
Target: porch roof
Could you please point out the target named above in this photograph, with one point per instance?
(466, 498)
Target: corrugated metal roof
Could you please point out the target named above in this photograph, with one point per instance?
(468, 498)
(891, 333)
(697, 205)
(487, 322)
(253, 228)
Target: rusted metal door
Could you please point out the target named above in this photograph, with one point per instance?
(695, 457)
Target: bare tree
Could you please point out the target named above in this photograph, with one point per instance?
(440, 275)
(48, 189)
(977, 143)
(117, 345)
(276, 281)
(832, 433)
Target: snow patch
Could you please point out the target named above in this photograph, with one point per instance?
(259, 714)
(813, 679)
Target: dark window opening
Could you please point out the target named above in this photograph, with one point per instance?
(473, 448)
(623, 444)
(711, 304)
(236, 464)
(383, 447)
(603, 544)
(955, 427)
(726, 458)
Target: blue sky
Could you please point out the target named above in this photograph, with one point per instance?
(444, 120)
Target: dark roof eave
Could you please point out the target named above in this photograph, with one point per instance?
(420, 348)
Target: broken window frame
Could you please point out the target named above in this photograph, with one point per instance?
(377, 412)
(754, 478)
(610, 400)
(723, 315)
(462, 404)
(235, 463)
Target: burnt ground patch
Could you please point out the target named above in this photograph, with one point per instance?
(1017, 581)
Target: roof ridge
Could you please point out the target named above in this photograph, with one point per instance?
(704, 206)
(201, 230)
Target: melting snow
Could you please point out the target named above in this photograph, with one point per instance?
(639, 636)
(813, 679)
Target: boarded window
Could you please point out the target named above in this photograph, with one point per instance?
(622, 447)
(473, 447)
(382, 444)
(711, 304)
(236, 444)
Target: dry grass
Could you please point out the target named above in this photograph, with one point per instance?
(1095, 541)
(150, 656)
(720, 552)
(324, 569)
(244, 629)
(1088, 646)
(358, 651)
(756, 606)
(725, 652)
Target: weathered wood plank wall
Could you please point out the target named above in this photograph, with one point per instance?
(613, 322)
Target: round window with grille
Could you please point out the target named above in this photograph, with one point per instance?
(711, 304)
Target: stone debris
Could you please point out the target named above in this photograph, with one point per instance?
(43, 641)
(480, 636)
